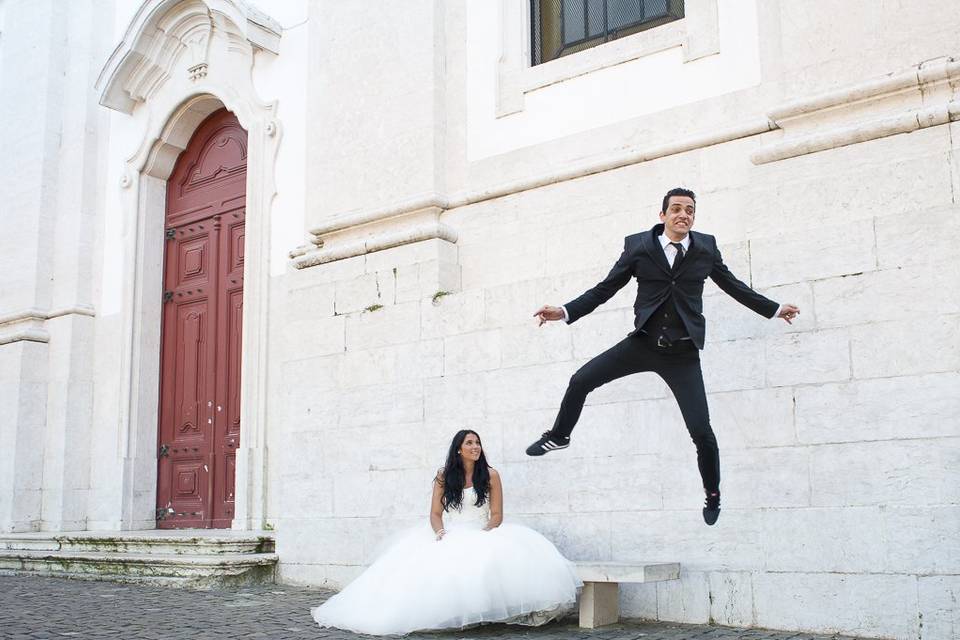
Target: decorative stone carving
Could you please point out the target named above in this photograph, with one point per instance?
(164, 30)
(198, 71)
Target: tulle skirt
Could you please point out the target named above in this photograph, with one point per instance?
(510, 574)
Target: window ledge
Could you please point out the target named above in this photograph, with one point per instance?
(698, 33)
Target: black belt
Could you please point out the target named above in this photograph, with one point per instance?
(664, 343)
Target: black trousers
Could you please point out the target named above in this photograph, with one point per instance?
(679, 366)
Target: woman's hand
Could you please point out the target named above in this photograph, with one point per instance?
(440, 534)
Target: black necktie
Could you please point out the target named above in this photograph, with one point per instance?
(679, 256)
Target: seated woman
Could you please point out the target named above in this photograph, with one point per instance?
(467, 568)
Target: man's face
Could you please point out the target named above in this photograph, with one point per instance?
(678, 218)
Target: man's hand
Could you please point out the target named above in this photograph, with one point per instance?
(788, 312)
(547, 313)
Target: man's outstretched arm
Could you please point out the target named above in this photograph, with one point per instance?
(592, 298)
(748, 297)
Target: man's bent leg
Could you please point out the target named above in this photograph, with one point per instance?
(626, 357)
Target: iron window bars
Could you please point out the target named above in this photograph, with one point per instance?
(562, 27)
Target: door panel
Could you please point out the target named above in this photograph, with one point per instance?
(229, 332)
(199, 426)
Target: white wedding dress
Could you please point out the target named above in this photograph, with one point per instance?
(509, 574)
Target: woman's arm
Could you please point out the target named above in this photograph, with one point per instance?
(436, 506)
(496, 501)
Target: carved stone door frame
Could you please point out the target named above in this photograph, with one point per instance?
(179, 61)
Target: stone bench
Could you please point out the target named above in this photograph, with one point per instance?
(600, 598)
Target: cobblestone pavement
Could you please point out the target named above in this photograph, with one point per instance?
(57, 608)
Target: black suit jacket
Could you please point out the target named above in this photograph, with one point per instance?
(643, 259)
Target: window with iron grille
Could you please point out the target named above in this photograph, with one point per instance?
(562, 27)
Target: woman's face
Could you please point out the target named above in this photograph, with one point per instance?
(470, 449)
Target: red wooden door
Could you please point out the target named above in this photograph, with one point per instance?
(202, 311)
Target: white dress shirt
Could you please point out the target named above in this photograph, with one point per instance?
(671, 252)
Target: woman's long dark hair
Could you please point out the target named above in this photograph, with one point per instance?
(454, 475)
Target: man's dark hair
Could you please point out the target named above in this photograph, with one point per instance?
(677, 191)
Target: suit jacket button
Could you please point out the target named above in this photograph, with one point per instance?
(673, 282)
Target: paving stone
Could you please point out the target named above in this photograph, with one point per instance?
(47, 608)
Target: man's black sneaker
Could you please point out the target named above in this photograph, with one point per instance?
(711, 511)
(548, 442)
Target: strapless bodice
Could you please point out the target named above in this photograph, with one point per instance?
(469, 514)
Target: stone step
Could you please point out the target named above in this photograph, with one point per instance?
(182, 542)
(193, 570)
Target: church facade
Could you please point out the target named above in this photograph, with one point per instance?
(261, 260)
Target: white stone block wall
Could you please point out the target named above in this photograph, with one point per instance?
(23, 391)
(376, 98)
(838, 434)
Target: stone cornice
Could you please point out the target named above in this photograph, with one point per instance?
(333, 244)
(923, 96)
(362, 217)
(376, 234)
(905, 122)
(28, 325)
(26, 334)
(39, 314)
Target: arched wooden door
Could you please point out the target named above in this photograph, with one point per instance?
(202, 311)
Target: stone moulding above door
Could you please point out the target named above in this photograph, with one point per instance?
(158, 35)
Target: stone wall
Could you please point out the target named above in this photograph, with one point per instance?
(830, 184)
(51, 182)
